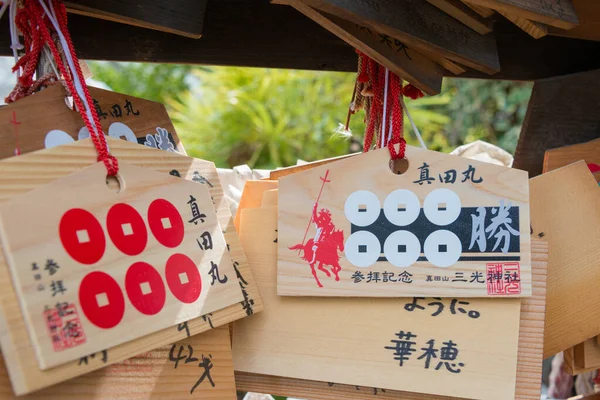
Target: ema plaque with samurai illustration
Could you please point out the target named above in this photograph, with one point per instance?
(447, 226)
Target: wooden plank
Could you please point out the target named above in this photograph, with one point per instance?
(252, 196)
(269, 198)
(270, 370)
(43, 121)
(184, 18)
(447, 64)
(483, 11)
(573, 265)
(529, 358)
(583, 356)
(561, 112)
(589, 22)
(392, 54)
(588, 152)
(419, 25)
(278, 173)
(82, 289)
(18, 353)
(464, 14)
(575, 358)
(254, 36)
(533, 28)
(150, 375)
(558, 13)
(591, 354)
(376, 229)
(338, 332)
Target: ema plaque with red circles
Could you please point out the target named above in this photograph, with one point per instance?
(94, 267)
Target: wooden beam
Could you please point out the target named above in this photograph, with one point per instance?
(389, 52)
(254, 36)
(463, 13)
(184, 18)
(483, 11)
(419, 25)
(237, 32)
(558, 13)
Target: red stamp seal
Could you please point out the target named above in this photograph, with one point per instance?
(64, 326)
(503, 278)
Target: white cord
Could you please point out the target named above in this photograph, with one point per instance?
(78, 85)
(412, 123)
(385, 97)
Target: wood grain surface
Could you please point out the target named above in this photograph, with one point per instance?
(67, 322)
(27, 123)
(465, 14)
(151, 375)
(184, 18)
(421, 26)
(334, 333)
(533, 28)
(558, 13)
(561, 112)
(43, 168)
(564, 212)
(369, 177)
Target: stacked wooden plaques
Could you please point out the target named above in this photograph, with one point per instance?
(107, 283)
(422, 41)
(570, 225)
(373, 320)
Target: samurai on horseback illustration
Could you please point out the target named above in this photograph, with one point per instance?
(322, 250)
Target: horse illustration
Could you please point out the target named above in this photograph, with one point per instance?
(323, 249)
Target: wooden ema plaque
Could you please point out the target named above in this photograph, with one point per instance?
(196, 367)
(43, 120)
(151, 255)
(448, 226)
(573, 235)
(42, 167)
(349, 342)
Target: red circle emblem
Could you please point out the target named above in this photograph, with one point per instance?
(101, 300)
(183, 278)
(145, 288)
(165, 223)
(126, 229)
(82, 236)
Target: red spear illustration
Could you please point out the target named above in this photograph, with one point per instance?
(318, 198)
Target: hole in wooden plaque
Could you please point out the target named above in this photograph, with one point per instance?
(399, 166)
(115, 183)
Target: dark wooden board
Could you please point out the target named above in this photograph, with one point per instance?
(420, 25)
(182, 17)
(254, 36)
(559, 13)
(561, 111)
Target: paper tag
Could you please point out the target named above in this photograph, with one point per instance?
(94, 268)
(447, 226)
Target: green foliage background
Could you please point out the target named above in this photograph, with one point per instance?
(269, 118)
